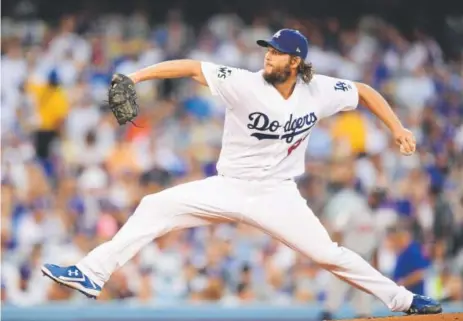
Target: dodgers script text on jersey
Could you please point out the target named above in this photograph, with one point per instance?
(270, 133)
(292, 128)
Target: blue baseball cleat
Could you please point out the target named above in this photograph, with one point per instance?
(73, 278)
(424, 305)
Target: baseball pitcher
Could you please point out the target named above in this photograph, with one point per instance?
(268, 121)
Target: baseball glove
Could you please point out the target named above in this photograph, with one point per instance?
(122, 99)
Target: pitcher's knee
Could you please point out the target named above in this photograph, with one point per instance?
(328, 256)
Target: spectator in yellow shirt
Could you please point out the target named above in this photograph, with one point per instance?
(52, 107)
(350, 127)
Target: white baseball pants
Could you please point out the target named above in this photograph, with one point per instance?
(336, 293)
(276, 208)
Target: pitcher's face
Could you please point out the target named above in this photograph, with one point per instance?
(278, 66)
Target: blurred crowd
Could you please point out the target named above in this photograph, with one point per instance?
(71, 176)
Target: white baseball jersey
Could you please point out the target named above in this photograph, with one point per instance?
(265, 136)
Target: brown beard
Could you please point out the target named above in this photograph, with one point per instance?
(278, 76)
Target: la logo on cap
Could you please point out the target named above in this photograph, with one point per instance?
(277, 35)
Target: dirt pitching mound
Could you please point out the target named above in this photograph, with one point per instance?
(433, 317)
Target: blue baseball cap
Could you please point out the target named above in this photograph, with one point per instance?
(288, 41)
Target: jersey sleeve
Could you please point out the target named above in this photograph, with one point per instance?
(337, 94)
(223, 81)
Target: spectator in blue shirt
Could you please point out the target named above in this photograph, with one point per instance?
(411, 262)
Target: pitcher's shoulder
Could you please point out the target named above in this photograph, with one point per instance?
(319, 81)
(244, 75)
(323, 84)
(254, 77)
